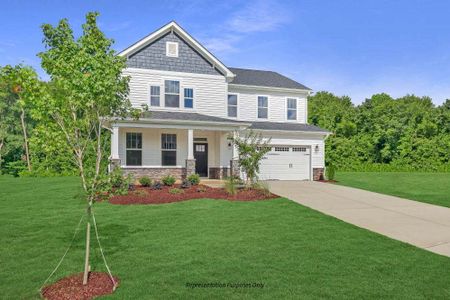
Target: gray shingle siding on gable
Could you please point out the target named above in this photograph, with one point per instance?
(264, 78)
(154, 57)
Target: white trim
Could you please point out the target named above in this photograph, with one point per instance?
(168, 44)
(151, 166)
(296, 120)
(257, 107)
(174, 27)
(115, 142)
(267, 88)
(237, 106)
(171, 74)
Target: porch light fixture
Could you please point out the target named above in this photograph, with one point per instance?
(316, 148)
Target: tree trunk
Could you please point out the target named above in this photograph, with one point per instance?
(1, 147)
(88, 241)
(25, 137)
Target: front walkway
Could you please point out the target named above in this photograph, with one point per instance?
(423, 225)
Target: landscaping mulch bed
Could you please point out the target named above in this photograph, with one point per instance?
(72, 287)
(144, 195)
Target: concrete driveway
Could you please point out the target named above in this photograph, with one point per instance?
(423, 225)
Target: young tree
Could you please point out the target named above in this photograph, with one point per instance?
(86, 92)
(251, 148)
(20, 87)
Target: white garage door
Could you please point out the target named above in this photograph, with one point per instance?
(286, 163)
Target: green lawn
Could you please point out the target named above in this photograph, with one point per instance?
(156, 249)
(431, 188)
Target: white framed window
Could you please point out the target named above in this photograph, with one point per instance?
(171, 93)
(232, 105)
(168, 149)
(263, 107)
(155, 95)
(291, 105)
(188, 98)
(134, 149)
(172, 49)
(281, 149)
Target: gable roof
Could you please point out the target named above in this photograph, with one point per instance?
(173, 26)
(264, 79)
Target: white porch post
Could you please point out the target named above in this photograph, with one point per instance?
(235, 154)
(115, 142)
(190, 144)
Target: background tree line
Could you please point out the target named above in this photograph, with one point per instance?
(384, 134)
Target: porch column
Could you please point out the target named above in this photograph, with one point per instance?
(190, 161)
(234, 163)
(115, 160)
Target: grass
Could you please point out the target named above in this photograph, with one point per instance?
(433, 188)
(156, 249)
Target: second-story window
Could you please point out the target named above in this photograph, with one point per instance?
(188, 98)
(232, 105)
(172, 93)
(291, 109)
(155, 95)
(263, 107)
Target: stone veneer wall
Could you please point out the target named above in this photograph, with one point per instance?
(156, 173)
(219, 173)
(318, 174)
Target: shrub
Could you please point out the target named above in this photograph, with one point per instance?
(201, 189)
(194, 179)
(186, 184)
(119, 183)
(176, 191)
(145, 181)
(168, 180)
(330, 172)
(231, 186)
(262, 187)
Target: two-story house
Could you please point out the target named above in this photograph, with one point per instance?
(195, 102)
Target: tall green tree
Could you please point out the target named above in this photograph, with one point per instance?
(20, 87)
(86, 92)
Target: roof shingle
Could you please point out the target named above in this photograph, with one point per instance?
(264, 78)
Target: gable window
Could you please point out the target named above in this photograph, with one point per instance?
(172, 49)
(263, 104)
(155, 96)
(134, 149)
(188, 98)
(172, 93)
(168, 149)
(232, 105)
(291, 109)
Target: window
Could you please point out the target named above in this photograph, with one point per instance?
(172, 49)
(172, 93)
(282, 149)
(188, 98)
(263, 103)
(291, 109)
(134, 149)
(154, 95)
(232, 105)
(168, 149)
(298, 149)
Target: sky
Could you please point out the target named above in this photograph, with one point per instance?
(354, 48)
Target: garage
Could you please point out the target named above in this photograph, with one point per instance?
(285, 162)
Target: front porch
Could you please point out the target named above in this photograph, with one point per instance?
(157, 149)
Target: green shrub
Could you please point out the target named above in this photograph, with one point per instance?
(194, 179)
(168, 180)
(145, 181)
(119, 183)
(262, 187)
(231, 185)
(330, 172)
(176, 191)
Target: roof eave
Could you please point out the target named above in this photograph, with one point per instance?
(271, 88)
(173, 26)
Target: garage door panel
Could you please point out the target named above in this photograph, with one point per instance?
(293, 164)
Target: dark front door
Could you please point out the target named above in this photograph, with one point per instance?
(201, 159)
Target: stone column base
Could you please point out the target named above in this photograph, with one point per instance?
(318, 174)
(114, 163)
(218, 172)
(235, 170)
(190, 167)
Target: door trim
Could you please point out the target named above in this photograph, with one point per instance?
(207, 157)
